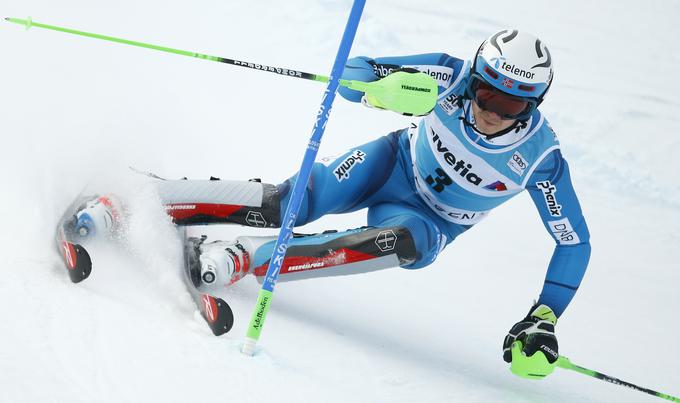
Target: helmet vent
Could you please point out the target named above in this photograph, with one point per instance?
(490, 72)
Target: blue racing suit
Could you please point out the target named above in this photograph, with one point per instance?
(423, 186)
(440, 177)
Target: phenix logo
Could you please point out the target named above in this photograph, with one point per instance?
(549, 190)
(342, 171)
(461, 167)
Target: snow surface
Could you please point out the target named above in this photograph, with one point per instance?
(78, 111)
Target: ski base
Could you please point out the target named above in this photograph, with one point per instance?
(216, 312)
(76, 258)
(78, 263)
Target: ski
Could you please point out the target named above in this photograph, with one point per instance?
(216, 312)
(76, 226)
(76, 259)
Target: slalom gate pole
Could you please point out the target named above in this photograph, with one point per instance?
(29, 23)
(565, 363)
(265, 297)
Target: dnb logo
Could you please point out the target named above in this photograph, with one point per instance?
(563, 231)
(386, 240)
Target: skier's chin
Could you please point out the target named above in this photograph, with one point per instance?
(489, 122)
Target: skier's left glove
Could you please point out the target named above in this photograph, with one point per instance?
(531, 346)
(382, 102)
(372, 101)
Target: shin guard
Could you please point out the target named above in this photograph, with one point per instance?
(336, 253)
(195, 202)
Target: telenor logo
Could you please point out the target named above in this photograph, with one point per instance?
(441, 74)
(516, 70)
(438, 75)
(497, 61)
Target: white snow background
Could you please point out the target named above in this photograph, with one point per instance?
(76, 111)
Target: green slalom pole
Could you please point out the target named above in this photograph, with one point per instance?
(565, 363)
(411, 94)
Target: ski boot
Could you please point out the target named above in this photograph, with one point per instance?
(213, 266)
(98, 217)
(87, 218)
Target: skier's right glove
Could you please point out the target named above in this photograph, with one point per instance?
(531, 345)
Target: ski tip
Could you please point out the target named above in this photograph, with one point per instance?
(6, 18)
(216, 312)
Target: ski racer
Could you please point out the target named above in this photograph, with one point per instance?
(483, 143)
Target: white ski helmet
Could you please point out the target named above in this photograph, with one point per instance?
(517, 64)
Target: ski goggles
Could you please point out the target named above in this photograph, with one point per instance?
(507, 106)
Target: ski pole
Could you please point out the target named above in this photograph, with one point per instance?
(565, 363)
(265, 296)
(411, 94)
(29, 23)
